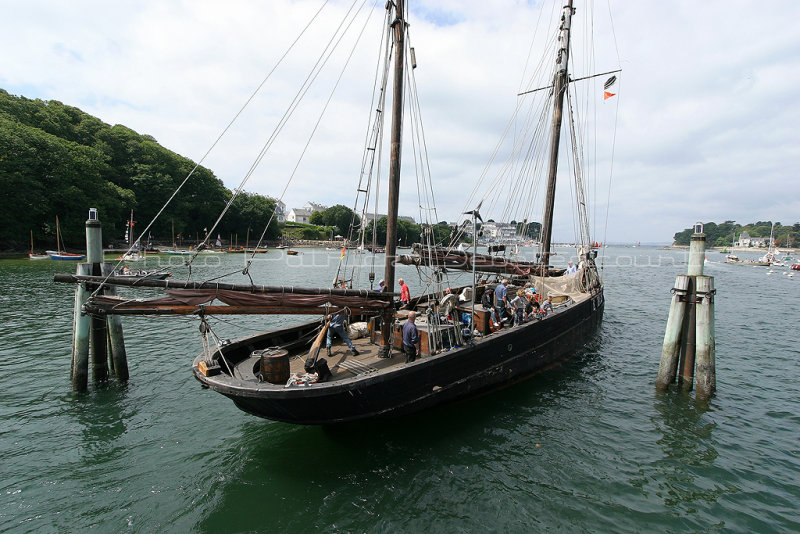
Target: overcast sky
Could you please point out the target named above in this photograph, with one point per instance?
(708, 115)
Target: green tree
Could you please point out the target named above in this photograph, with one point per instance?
(341, 217)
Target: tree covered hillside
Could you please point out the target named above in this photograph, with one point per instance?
(723, 234)
(57, 160)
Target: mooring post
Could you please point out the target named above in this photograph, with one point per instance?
(80, 334)
(688, 341)
(690, 326)
(119, 358)
(706, 374)
(697, 256)
(672, 337)
(98, 330)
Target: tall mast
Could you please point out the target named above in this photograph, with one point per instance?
(399, 26)
(560, 83)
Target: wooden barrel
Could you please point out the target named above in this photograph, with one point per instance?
(274, 365)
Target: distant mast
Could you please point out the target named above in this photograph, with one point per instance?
(560, 83)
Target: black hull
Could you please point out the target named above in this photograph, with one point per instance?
(497, 361)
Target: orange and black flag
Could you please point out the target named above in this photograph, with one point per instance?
(609, 83)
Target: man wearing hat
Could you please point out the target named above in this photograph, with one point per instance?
(382, 286)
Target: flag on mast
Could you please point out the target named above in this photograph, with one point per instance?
(609, 82)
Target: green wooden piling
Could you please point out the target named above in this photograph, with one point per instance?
(98, 331)
(80, 334)
(94, 238)
(672, 337)
(98, 335)
(119, 357)
(705, 374)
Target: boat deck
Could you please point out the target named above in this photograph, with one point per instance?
(343, 364)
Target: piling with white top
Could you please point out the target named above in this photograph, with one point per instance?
(95, 335)
(690, 327)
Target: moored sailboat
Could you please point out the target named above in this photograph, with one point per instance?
(34, 255)
(60, 254)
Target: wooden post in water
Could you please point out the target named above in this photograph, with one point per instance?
(706, 374)
(95, 334)
(672, 337)
(690, 326)
(119, 358)
(98, 330)
(688, 341)
(80, 334)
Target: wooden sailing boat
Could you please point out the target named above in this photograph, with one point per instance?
(60, 254)
(33, 255)
(375, 382)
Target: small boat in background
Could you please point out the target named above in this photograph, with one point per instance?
(732, 258)
(291, 252)
(35, 256)
(58, 254)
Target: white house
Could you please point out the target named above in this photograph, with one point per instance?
(744, 240)
(280, 211)
(313, 207)
(299, 215)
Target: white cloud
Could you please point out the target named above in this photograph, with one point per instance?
(707, 121)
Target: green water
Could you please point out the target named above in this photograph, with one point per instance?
(589, 447)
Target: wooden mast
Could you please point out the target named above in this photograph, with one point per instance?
(399, 26)
(560, 82)
(58, 237)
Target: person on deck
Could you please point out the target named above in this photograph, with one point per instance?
(411, 339)
(487, 301)
(405, 294)
(535, 310)
(382, 286)
(518, 305)
(571, 269)
(448, 303)
(337, 325)
(547, 306)
(501, 299)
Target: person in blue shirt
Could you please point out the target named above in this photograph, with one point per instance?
(411, 338)
(337, 326)
(501, 299)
